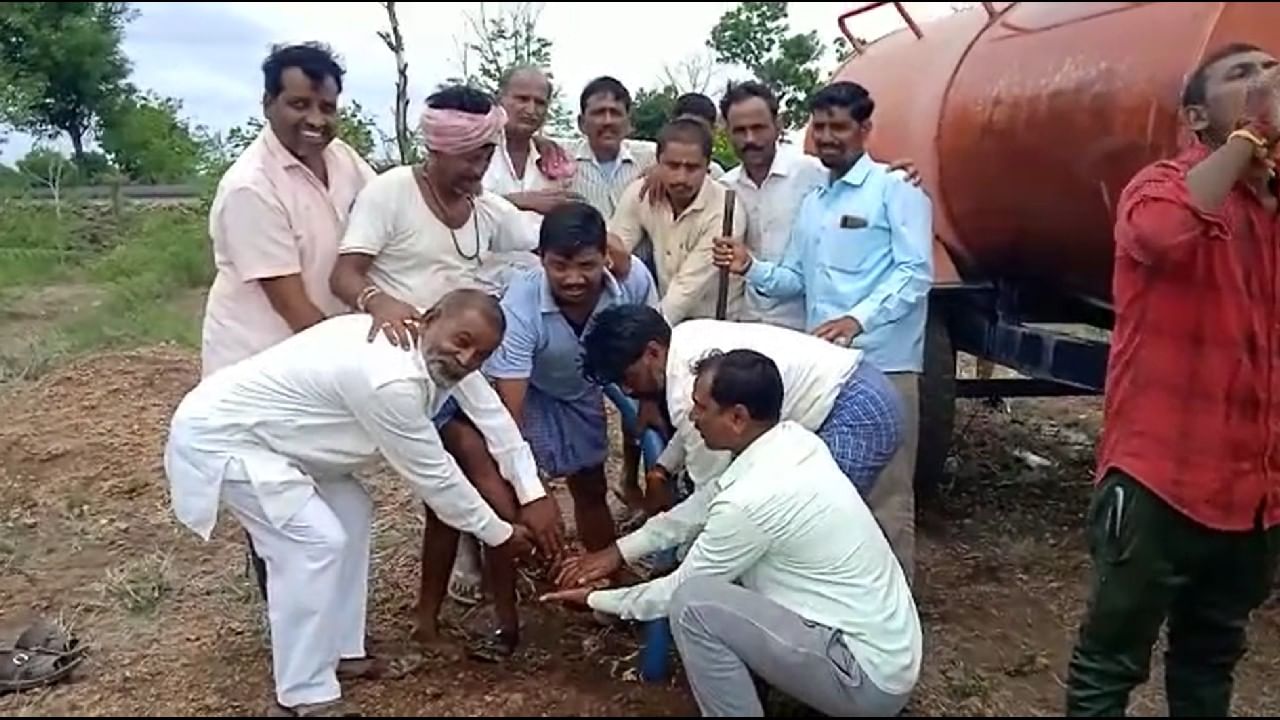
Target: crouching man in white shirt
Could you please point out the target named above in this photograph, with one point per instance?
(789, 576)
(276, 438)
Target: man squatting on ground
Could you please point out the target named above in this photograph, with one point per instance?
(277, 437)
(789, 576)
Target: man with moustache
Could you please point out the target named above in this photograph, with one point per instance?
(276, 439)
(682, 224)
(416, 233)
(860, 254)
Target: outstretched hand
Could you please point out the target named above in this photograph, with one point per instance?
(576, 597)
(587, 570)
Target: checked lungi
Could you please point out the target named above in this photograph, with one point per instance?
(865, 426)
(566, 436)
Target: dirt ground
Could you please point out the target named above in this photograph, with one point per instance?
(86, 536)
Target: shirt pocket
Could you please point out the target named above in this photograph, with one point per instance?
(853, 239)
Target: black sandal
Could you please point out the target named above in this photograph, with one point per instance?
(495, 648)
(43, 654)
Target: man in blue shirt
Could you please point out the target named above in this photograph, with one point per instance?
(538, 371)
(861, 255)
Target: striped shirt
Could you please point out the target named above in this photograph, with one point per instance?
(602, 187)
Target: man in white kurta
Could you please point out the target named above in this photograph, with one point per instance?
(277, 437)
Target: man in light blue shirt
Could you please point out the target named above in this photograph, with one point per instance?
(538, 371)
(861, 256)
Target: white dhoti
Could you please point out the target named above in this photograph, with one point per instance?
(317, 581)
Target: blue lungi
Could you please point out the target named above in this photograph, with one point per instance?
(566, 437)
(865, 426)
(447, 411)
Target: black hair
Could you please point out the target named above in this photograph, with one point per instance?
(571, 228)
(697, 105)
(746, 378)
(686, 129)
(605, 85)
(316, 60)
(1196, 89)
(461, 97)
(617, 338)
(472, 299)
(505, 81)
(739, 92)
(845, 94)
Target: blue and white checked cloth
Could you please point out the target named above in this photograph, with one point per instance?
(865, 426)
(566, 436)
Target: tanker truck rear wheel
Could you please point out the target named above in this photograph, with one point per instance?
(937, 404)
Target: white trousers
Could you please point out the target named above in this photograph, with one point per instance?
(317, 583)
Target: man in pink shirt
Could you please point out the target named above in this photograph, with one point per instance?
(280, 211)
(277, 217)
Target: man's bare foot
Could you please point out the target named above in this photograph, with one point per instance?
(428, 637)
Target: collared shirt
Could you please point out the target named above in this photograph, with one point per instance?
(273, 217)
(602, 185)
(682, 246)
(1193, 383)
(324, 403)
(417, 258)
(772, 208)
(812, 372)
(501, 179)
(862, 247)
(784, 521)
(541, 345)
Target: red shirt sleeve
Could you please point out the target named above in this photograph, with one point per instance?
(1157, 216)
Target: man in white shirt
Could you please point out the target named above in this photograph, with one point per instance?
(277, 437)
(532, 173)
(415, 234)
(789, 576)
(831, 390)
(772, 180)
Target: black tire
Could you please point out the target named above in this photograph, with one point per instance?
(937, 403)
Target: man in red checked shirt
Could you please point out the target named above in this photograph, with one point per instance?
(1183, 524)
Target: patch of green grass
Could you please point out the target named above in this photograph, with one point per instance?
(39, 245)
(151, 261)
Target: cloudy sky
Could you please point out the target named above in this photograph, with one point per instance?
(208, 54)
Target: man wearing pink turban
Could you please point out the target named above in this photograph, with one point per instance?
(416, 233)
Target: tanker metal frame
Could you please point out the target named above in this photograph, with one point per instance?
(1026, 120)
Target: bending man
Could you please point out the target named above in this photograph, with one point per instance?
(276, 439)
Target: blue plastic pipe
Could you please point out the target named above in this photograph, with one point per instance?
(655, 665)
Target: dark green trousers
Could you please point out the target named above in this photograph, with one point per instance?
(1152, 564)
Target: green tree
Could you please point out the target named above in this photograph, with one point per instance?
(650, 110)
(148, 140)
(62, 65)
(509, 38)
(757, 36)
